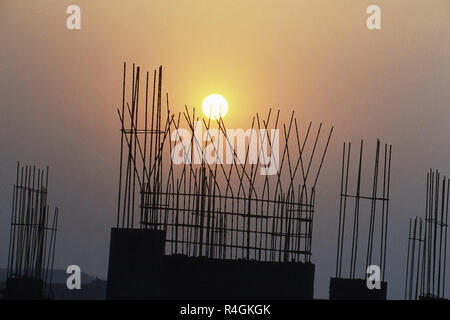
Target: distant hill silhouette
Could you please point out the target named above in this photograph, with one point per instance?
(95, 290)
(59, 276)
(92, 288)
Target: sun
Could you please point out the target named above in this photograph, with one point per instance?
(215, 106)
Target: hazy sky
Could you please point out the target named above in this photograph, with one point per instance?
(59, 90)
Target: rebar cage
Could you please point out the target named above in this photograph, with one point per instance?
(377, 203)
(427, 243)
(33, 231)
(208, 207)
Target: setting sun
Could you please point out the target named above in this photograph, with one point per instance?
(215, 106)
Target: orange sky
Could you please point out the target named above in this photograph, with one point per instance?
(59, 90)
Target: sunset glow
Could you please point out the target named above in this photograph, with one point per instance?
(215, 106)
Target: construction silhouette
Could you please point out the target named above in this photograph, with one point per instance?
(210, 231)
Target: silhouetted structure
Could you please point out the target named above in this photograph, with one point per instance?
(32, 237)
(209, 229)
(427, 244)
(377, 204)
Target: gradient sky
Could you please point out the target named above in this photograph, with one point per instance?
(59, 90)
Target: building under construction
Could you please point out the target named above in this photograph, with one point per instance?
(427, 244)
(369, 217)
(32, 237)
(192, 224)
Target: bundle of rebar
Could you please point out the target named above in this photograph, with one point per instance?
(215, 209)
(33, 231)
(427, 243)
(413, 262)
